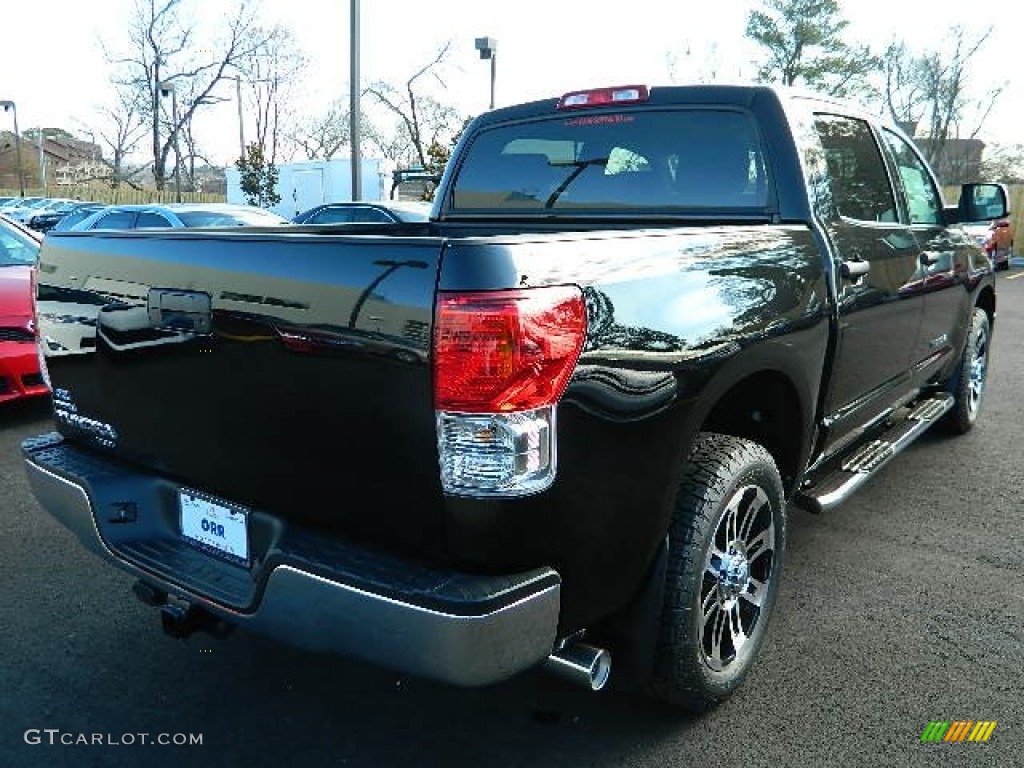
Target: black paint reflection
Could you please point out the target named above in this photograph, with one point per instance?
(220, 359)
(67, 320)
(662, 321)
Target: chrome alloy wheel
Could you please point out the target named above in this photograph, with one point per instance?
(736, 577)
(978, 370)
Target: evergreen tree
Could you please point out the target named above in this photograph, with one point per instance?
(804, 45)
(258, 178)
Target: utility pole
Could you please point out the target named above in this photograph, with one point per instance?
(357, 187)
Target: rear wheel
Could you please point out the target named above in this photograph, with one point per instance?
(725, 554)
(968, 384)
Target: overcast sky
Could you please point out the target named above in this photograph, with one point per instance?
(54, 70)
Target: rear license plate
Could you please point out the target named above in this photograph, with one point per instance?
(214, 526)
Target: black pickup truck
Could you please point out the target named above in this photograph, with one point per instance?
(559, 423)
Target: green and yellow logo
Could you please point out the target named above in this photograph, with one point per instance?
(958, 730)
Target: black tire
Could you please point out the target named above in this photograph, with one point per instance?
(727, 536)
(968, 383)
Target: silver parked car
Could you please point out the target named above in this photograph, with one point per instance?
(179, 215)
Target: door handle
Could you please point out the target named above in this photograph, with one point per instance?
(851, 270)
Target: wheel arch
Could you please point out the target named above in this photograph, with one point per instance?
(784, 389)
(768, 397)
(765, 408)
(987, 301)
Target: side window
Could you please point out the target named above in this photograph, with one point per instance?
(116, 220)
(860, 184)
(332, 216)
(371, 216)
(922, 197)
(149, 219)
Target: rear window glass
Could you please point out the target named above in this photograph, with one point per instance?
(331, 216)
(147, 220)
(229, 219)
(15, 249)
(116, 220)
(77, 215)
(692, 158)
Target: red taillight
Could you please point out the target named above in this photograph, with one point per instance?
(504, 351)
(596, 97)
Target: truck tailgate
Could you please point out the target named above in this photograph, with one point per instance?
(288, 371)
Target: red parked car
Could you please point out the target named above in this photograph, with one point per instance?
(999, 244)
(19, 360)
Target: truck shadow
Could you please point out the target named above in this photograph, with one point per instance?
(19, 413)
(368, 716)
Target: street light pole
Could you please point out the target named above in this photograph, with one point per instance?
(177, 149)
(9, 105)
(494, 66)
(168, 87)
(488, 47)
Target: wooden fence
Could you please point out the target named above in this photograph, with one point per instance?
(123, 194)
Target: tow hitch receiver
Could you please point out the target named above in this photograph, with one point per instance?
(181, 619)
(178, 621)
(178, 617)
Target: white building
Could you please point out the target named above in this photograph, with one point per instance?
(308, 183)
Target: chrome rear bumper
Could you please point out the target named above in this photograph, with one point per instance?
(452, 627)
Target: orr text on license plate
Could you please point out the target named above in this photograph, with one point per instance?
(214, 525)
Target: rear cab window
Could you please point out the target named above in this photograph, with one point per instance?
(683, 159)
(860, 184)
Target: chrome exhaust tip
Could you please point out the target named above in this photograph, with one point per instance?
(581, 664)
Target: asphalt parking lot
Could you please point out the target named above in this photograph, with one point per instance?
(903, 607)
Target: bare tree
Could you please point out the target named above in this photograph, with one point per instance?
(190, 155)
(122, 126)
(321, 137)
(163, 47)
(273, 72)
(930, 93)
(903, 88)
(393, 144)
(698, 63)
(1004, 163)
(422, 119)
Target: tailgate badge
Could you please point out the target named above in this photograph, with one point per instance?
(66, 412)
